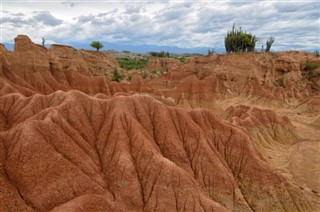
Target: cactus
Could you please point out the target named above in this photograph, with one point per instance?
(238, 40)
(269, 43)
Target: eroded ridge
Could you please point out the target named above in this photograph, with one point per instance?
(69, 150)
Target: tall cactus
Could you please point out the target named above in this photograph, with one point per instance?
(269, 43)
(238, 40)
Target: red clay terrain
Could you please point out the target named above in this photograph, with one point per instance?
(234, 132)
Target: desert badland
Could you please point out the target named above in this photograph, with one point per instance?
(229, 132)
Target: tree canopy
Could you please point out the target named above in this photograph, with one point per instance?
(96, 44)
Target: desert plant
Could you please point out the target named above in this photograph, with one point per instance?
(280, 82)
(269, 43)
(310, 66)
(116, 76)
(182, 59)
(211, 51)
(96, 44)
(238, 40)
(43, 41)
(130, 64)
(144, 74)
(153, 72)
(129, 78)
(160, 54)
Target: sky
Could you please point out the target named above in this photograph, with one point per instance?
(185, 24)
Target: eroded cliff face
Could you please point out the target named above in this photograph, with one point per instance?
(74, 141)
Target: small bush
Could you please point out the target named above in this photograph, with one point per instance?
(211, 51)
(310, 66)
(116, 76)
(182, 59)
(280, 82)
(153, 72)
(160, 54)
(130, 64)
(129, 78)
(144, 74)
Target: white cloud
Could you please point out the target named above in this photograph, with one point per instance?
(183, 24)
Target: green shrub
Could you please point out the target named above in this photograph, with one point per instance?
(310, 66)
(182, 59)
(116, 76)
(144, 74)
(280, 82)
(160, 54)
(153, 72)
(211, 51)
(130, 64)
(129, 78)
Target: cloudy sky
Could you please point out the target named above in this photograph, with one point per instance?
(294, 24)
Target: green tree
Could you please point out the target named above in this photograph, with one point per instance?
(269, 43)
(96, 44)
(238, 40)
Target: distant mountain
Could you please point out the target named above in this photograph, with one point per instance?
(136, 48)
(9, 46)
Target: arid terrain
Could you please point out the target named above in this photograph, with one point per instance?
(229, 132)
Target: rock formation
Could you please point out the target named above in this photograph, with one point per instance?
(198, 138)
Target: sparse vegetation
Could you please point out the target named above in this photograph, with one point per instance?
(43, 41)
(129, 78)
(310, 66)
(144, 74)
(238, 40)
(182, 59)
(311, 70)
(211, 51)
(316, 52)
(97, 45)
(116, 76)
(130, 64)
(160, 54)
(269, 43)
(153, 72)
(280, 82)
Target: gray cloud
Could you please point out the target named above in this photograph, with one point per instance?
(14, 21)
(70, 4)
(184, 24)
(17, 14)
(46, 18)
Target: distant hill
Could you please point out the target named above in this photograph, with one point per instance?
(137, 48)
